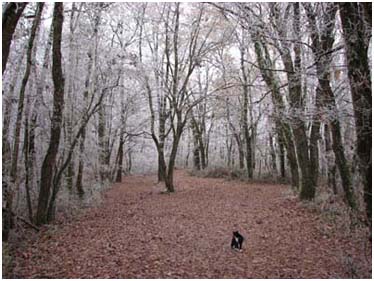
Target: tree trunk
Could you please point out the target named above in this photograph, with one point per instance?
(56, 122)
(196, 148)
(33, 168)
(228, 146)
(102, 136)
(59, 172)
(17, 130)
(79, 183)
(201, 148)
(314, 137)
(236, 135)
(273, 155)
(120, 160)
(71, 77)
(162, 137)
(331, 166)
(12, 13)
(70, 171)
(291, 154)
(121, 139)
(281, 156)
(196, 156)
(28, 147)
(7, 106)
(161, 165)
(7, 152)
(293, 68)
(169, 179)
(129, 162)
(240, 152)
(322, 42)
(247, 137)
(92, 58)
(356, 22)
(161, 146)
(282, 127)
(159, 141)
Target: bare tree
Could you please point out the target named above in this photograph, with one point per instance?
(17, 131)
(12, 13)
(357, 29)
(56, 122)
(322, 44)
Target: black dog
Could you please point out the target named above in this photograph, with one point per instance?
(237, 241)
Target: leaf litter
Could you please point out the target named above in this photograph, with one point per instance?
(137, 232)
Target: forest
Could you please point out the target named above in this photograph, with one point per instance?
(136, 137)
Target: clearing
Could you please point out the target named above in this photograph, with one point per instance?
(137, 232)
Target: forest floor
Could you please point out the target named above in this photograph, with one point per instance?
(138, 232)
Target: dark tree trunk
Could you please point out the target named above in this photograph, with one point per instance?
(240, 152)
(293, 68)
(198, 129)
(314, 137)
(357, 30)
(273, 155)
(102, 136)
(70, 171)
(12, 13)
(281, 156)
(308, 187)
(282, 127)
(129, 162)
(169, 178)
(161, 165)
(247, 136)
(291, 154)
(56, 122)
(79, 183)
(7, 152)
(120, 153)
(7, 103)
(159, 142)
(323, 43)
(341, 163)
(201, 148)
(120, 160)
(70, 79)
(196, 149)
(331, 167)
(228, 147)
(59, 172)
(196, 157)
(17, 131)
(237, 137)
(28, 148)
(162, 137)
(29, 144)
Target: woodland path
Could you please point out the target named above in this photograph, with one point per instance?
(136, 232)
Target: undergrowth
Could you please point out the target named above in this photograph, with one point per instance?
(7, 259)
(237, 174)
(69, 205)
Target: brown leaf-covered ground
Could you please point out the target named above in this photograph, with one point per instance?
(137, 232)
